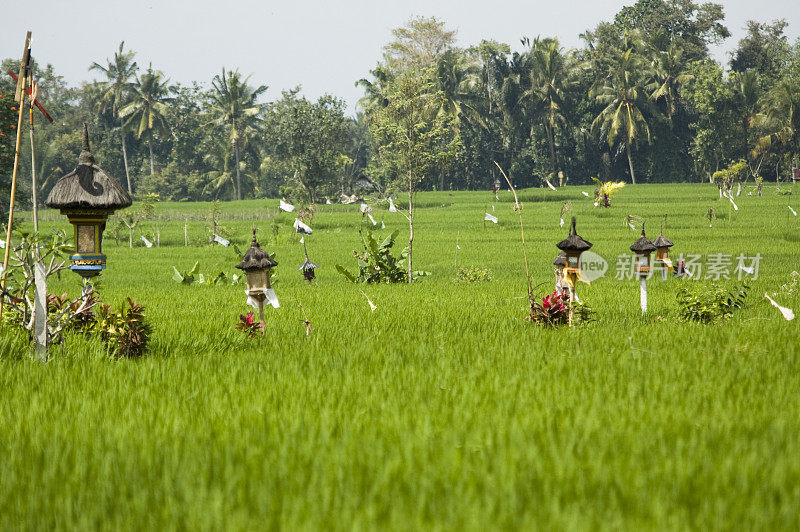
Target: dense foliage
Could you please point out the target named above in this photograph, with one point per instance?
(641, 100)
(376, 264)
(707, 304)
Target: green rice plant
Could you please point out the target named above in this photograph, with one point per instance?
(441, 409)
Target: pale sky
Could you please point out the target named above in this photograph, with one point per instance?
(323, 46)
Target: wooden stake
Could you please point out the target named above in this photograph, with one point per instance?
(22, 83)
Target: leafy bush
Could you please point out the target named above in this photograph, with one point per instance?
(553, 311)
(82, 316)
(125, 333)
(473, 274)
(708, 304)
(249, 325)
(377, 265)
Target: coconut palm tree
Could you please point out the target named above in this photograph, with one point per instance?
(233, 104)
(626, 101)
(667, 72)
(117, 90)
(147, 112)
(781, 116)
(551, 74)
(747, 92)
(374, 91)
(457, 80)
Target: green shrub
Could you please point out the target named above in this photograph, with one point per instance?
(708, 304)
(473, 274)
(126, 332)
(377, 265)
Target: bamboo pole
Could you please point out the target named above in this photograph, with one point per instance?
(21, 103)
(40, 276)
(518, 208)
(35, 194)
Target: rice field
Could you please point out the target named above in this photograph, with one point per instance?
(442, 408)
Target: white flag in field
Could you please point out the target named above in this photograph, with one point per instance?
(392, 208)
(300, 227)
(383, 225)
(585, 193)
(730, 198)
(272, 298)
(787, 312)
(490, 218)
(372, 306)
(288, 207)
(147, 242)
(371, 219)
(790, 208)
(224, 241)
(269, 294)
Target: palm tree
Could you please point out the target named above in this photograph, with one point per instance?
(551, 74)
(147, 110)
(780, 115)
(667, 74)
(747, 91)
(374, 91)
(512, 79)
(116, 91)
(457, 81)
(624, 96)
(232, 103)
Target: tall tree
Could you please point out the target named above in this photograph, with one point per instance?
(117, 90)
(694, 26)
(667, 71)
(625, 99)
(311, 137)
(781, 117)
(233, 104)
(418, 45)
(550, 75)
(147, 111)
(711, 101)
(747, 97)
(457, 83)
(412, 137)
(764, 49)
